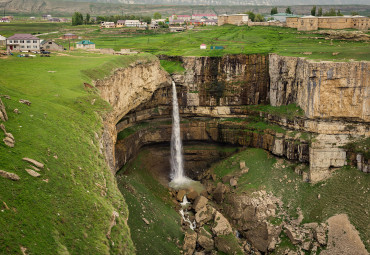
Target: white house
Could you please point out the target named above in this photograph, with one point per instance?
(107, 24)
(135, 23)
(85, 44)
(203, 46)
(2, 40)
(204, 16)
(23, 42)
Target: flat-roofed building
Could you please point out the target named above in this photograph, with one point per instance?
(233, 19)
(23, 42)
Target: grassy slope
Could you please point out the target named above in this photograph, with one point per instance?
(68, 212)
(243, 39)
(346, 192)
(148, 199)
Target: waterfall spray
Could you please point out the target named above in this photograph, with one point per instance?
(177, 163)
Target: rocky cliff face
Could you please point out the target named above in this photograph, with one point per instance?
(125, 90)
(322, 89)
(334, 97)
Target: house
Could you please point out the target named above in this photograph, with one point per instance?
(23, 42)
(54, 20)
(203, 16)
(233, 19)
(309, 23)
(153, 26)
(50, 45)
(203, 46)
(120, 23)
(182, 17)
(85, 44)
(176, 29)
(2, 40)
(281, 16)
(210, 22)
(157, 21)
(4, 20)
(46, 17)
(107, 24)
(69, 36)
(177, 21)
(135, 23)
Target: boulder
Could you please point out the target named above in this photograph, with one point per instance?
(192, 195)
(294, 235)
(26, 102)
(204, 215)
(32, 173)
(9, 141)
(180, 195)
(218, 193)
(259, 237)
(320, 234)
(10, 176)
(233, 182)
(3, 115)
(205, 240)
(190, 242)
(36, 163)
(199, 203)
(228, 244)
(242, 165)
(221, 225)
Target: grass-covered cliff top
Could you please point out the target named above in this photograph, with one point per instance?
(68, 209)
(243, 39)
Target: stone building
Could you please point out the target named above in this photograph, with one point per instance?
(50, 45)
(233, 19)
(310, 23)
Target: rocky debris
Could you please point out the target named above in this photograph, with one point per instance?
(112, 223)
(180, 195)
(35, 168)
(320, 234)
(199, 203)
(3, 115)
(9, 138)
(23, 250)
(190, 242)
(5, 96)
(36, 163)
(242, 165)
(343, 238)
(227, 244)
(205, 240)
(221, 225)
(26, 102)
(16, 111)
(347, 35)
(233, 182)
(32, 173)
(204, 215)
(295, 236)
(10, 176)
(192, 195)
(146, 221)
(219, 192)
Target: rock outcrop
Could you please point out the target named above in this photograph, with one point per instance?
(325, 90)
(125, 90)
(3, 115)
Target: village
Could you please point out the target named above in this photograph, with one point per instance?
(33, 44)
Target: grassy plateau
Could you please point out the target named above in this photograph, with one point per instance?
(68, 209)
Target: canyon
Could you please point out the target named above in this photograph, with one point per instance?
(213, 91)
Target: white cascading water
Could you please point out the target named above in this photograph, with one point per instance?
(177, 163)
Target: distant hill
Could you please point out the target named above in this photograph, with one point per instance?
(148, 7)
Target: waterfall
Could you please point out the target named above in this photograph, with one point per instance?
(177, 163)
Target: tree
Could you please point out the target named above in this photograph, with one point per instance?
(274, 10)
(313, 10)
(259, 18)
(354, 13)
(251, 15)
(319, 13)
(157, 15)
(288, 11)
(332, 12)
(77, 19)
(87, 19)
(339, 13)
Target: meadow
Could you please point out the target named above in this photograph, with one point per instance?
(68, 208)
(234, 39)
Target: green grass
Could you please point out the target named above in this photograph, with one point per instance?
(236, 40)
(289, 111)
(360, 145)
(148, 199)
(172, 66)
(345, 192)
(131, 130)
(68, 213)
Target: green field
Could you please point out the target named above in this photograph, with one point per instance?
(243, 39)
(63, 210)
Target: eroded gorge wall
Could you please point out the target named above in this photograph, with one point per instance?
(334, 96)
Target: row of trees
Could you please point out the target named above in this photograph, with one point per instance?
(78, 19)
(274, 10)
(255, 17)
